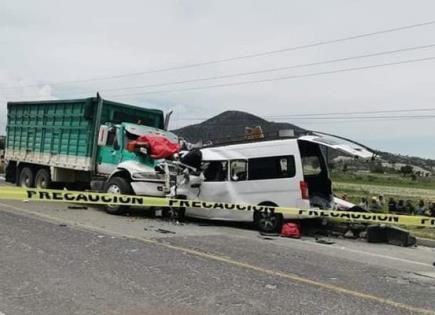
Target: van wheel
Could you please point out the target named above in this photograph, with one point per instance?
(42, 179)
(117, 185)
(26, 178)
(267, 221)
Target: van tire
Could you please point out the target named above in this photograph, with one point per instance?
(117, 185)
(26, 178)
(268, 222)
(43, 179)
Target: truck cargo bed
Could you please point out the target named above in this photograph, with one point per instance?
(63, 133)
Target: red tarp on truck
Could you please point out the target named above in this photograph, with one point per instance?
(159, 147)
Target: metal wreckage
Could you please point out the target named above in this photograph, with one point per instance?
(116, 148)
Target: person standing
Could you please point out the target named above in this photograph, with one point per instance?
(381, 200)
(432, 210)
(374, 205)
(392, 205)
(409, 207)
(420, 208)
(364, 203)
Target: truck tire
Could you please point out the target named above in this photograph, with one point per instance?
(268, 222)
(26, 178)
(43, 179)
(117, 185)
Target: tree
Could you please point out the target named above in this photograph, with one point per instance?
(406, 170)
(378, 168)
(345, 168)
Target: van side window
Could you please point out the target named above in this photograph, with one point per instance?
(311, 165)
(272, 167)
(215, 171)
(239, 170)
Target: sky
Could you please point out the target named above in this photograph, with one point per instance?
(54, 49)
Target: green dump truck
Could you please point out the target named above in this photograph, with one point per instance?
(83, 143)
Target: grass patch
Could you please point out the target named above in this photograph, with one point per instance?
(356, 190)
(395, 180)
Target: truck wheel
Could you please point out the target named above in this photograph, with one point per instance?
(117, 185)
(43, 179)
(266, 221)
(26, 178)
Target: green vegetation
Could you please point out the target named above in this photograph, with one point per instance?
(357, 185)
(423, 232)
(396, 180)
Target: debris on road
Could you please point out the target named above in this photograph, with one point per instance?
(324, 241)
(375, 233)
(266, 238)
(378, 233)
(165, 231)
(78, 207)
(291, 230)
(269, 234)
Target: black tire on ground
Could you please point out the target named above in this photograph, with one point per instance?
(26, 178)
(117, 185)
(171, 213)
(267, 221)
(43, 179)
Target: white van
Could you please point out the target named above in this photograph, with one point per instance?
(288, 172)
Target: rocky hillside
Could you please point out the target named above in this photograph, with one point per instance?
(230, 125)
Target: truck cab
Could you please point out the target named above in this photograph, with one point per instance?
(119, 157)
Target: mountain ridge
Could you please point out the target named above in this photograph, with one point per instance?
(231, 125)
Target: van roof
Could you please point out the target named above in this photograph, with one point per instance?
(249, 150)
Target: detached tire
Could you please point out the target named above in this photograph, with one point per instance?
(26, 179)
(267, 221)
(43, 179)
(117, 185)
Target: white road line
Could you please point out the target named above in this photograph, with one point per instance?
(374, 254)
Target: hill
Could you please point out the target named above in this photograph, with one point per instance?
(231, 125)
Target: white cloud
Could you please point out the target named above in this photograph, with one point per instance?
(13, 88)
(46, 41)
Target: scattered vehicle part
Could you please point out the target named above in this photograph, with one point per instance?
(324, 241)
(269, 234)
(266, 238)
(377, 233)
(399, 237)
(165, 231)
(78, 207)
(349, 234)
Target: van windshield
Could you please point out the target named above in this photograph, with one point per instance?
(215, 171)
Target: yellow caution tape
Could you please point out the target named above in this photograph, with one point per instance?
(48, 195)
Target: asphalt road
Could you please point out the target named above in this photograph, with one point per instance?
(57, 260)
